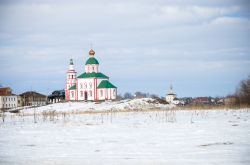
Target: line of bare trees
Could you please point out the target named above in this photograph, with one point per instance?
(243, 92)
(137, 94)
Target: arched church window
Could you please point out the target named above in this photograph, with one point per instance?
(114, 92)
(72, 76)
(72, 94)
(90, 85)
(85, 85)
(90, 93)
(93, 68)
(101, 92)
(81, 93)
(81, 86)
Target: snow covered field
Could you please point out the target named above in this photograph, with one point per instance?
(140, 137)
(79, 107)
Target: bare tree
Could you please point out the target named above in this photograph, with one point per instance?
(119, 97)
(154, 96)
(140, 95)
(243, 92)
(127, 95)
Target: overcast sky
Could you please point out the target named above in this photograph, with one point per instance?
(202, 48)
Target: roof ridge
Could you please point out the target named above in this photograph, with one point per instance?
(92, 75)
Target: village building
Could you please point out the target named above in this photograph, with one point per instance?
(201, 101)
(32, 98)
(8, 101)
(56, 96)
(186, 100)
(90, 85)
(5, 91)
(176, 101)
(7, 98)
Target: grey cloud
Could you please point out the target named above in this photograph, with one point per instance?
(134, 41)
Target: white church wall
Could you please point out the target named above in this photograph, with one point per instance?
(71, 80)
(72, 95)
(91, 68)
(101, 93)
(107, 93)
(113, 93)
(86, 85)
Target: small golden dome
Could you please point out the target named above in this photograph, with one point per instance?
(91, 52)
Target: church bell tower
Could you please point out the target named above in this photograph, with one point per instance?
(70, 79)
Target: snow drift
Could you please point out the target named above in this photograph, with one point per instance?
(135, 104)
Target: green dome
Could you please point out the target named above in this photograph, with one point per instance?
(92, 60)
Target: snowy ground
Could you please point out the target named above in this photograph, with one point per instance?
(80, 107)
(142, 137)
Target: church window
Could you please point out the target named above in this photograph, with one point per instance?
(90, 85)
(72, 94)
(101, 93)
(81, 93)
(114, 92)
(93, 68)
(81, 86)
(90, 93)
(85, 85)
(72, 76)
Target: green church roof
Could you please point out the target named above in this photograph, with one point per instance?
(106, 84)
(72, 87)
(92, 75)
(92, 60)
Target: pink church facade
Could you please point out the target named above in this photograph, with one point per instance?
(91, 85)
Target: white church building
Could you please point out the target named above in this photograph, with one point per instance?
(90, 85)
(171, 97)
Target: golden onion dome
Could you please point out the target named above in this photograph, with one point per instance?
(91, 52)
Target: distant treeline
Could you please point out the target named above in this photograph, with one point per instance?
(240, 98)
(242, 93)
